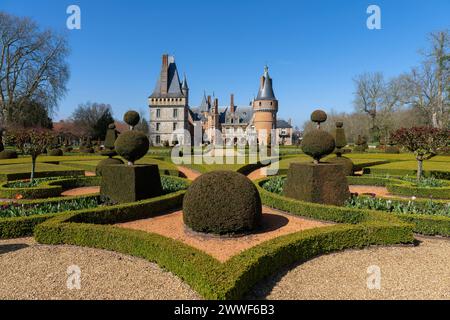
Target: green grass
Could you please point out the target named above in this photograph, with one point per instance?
(412, 165)
(26, 167)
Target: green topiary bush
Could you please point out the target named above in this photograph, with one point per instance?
(8, 154)
(222, 202)
(317, 144)
(345, 162)
(132, 145)
(132, 118)
(106, 162)
(56, 153)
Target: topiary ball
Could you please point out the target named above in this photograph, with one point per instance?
(319, 116)
(222, 202)
(132, 118)
(106, 162)
(132, 145)
(56, 152)
(8, 154)
(317, 144)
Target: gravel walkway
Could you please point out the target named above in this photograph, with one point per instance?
(32, 271)
(421, 272)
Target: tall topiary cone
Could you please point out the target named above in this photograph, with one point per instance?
(341, 142)
(110, 139)
(323, 183)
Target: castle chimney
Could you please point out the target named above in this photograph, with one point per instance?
(209, 101)
(165, 74)
(232, 103)
(216, 106)
(165, 60)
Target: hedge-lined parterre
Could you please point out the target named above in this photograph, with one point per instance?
(46, 188)
(23, 226)
(233, 278)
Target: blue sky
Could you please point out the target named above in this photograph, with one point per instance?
(313, 48)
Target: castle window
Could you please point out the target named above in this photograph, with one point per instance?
(271, 103)
(260, 103)
(174, 126)
(175, 113)
(158, 113)
(158, 139)
(158, 126)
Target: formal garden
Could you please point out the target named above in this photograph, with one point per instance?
(224, 228)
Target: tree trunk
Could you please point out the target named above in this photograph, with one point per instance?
(419, 169)
(33, 168)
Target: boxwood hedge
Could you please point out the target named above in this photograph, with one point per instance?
(47, 189)
(233, 278)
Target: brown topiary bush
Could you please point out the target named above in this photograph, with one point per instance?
(132, 145)
(222, 202)
(319, 116)
(132, 118)
(323, 183)
(317, 144)
(346, 163)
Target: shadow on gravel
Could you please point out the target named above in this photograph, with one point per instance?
(5, 248)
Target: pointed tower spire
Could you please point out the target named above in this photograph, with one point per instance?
(185, 84)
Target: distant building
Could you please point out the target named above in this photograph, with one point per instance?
(170, 110)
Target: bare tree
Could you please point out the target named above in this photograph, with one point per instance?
(33, 65)
(92, 119)
(379, 99)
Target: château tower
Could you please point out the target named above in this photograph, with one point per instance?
(169, 104)
(265, 107)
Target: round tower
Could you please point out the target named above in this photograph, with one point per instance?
(265, 108)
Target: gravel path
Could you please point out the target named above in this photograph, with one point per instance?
(421, 272)
(32, 271)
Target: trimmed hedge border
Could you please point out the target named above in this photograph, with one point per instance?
(403, 172)
(233, 278)
(48, 189)
(4, 177)
(423, 224)
(402, 187)
(18, 227)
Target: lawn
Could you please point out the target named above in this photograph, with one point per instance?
(22, 171)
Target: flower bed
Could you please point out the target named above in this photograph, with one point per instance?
(24, 224)
(44, 188)
(422, 212)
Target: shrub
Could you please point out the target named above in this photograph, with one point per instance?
(132, 118)
(318, 116)
(317, 144)
(132, 145)
(106, 162)
(392, 149)
(56, 153)
(123, 183)
(222, 202)
(8, 154)
(323, 183)
(345, 162)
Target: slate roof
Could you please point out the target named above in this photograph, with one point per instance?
(266, 90)
(173, 83)
(282, 124)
